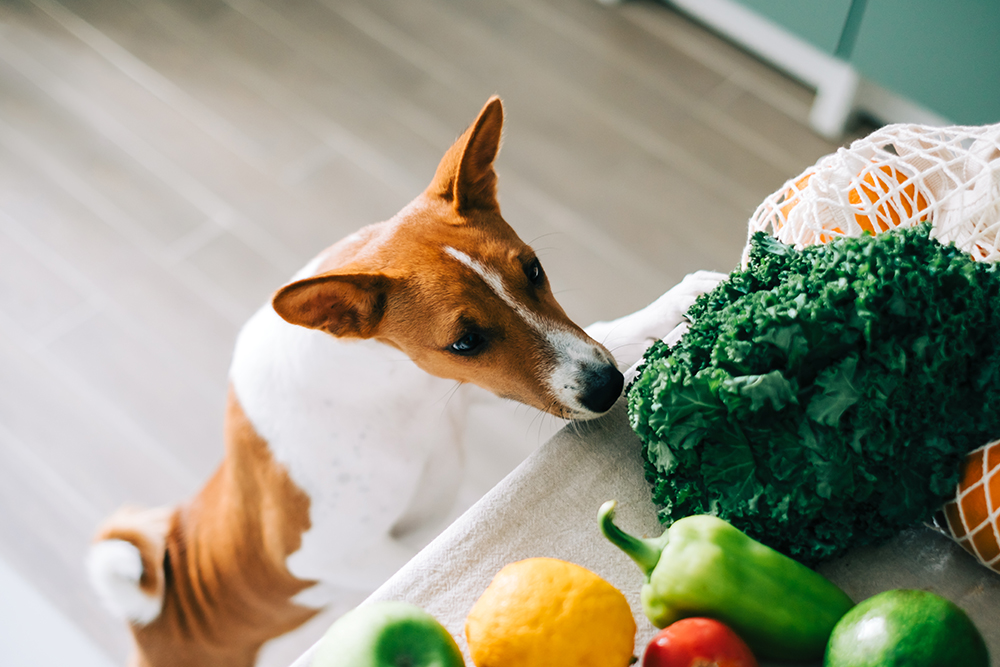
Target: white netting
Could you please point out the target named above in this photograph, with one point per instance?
(973, 517)
(897, 176)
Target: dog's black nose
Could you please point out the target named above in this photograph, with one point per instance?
(603, 387)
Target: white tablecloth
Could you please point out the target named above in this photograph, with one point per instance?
(548, 507)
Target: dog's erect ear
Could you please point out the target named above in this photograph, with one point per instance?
(465, 174)
(348, 305)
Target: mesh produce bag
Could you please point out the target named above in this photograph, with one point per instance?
(973, 518)
(899, 176)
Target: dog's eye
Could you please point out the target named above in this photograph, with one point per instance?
(469, 344)
(534, 272)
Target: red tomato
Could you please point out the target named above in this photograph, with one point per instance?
(697, 642)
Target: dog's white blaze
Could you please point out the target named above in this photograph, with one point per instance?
(574, 353)
(495, 282)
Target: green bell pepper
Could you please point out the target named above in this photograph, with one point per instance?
(703, 566)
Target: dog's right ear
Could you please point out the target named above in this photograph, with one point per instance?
(465, 175)
(346, 305)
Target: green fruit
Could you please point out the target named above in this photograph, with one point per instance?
(387, 634)
(905, 628)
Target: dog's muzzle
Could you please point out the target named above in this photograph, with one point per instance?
(602, 385)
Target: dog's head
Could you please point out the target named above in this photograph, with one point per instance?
(448, 282)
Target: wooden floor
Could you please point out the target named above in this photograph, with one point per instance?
(166, 164)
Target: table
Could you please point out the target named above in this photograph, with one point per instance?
(548, 507)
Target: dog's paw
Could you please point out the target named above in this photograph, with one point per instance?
(627, 338)
(670, 339)
(662, 316)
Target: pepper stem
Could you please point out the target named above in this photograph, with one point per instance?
(645, 552)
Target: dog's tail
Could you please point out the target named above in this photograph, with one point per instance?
(126, 563)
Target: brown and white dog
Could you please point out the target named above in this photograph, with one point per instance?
(337, 441)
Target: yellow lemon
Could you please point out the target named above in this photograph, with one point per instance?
(542, 612)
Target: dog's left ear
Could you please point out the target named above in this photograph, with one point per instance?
(350, 305)
(465, 175)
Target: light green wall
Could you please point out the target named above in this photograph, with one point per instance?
(943, 55)
(819, 22)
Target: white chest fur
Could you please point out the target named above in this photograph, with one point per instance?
(372, 439)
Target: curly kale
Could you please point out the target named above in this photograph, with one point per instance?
(823, 398)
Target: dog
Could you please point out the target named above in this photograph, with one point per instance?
(333, 451)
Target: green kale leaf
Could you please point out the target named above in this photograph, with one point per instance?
(823, 398)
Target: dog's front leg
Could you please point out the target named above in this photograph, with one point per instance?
(627, 338)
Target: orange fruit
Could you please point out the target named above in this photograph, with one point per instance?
(879, 194)
(790, 199)
(973, 517)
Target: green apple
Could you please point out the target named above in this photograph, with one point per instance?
(387, 634)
